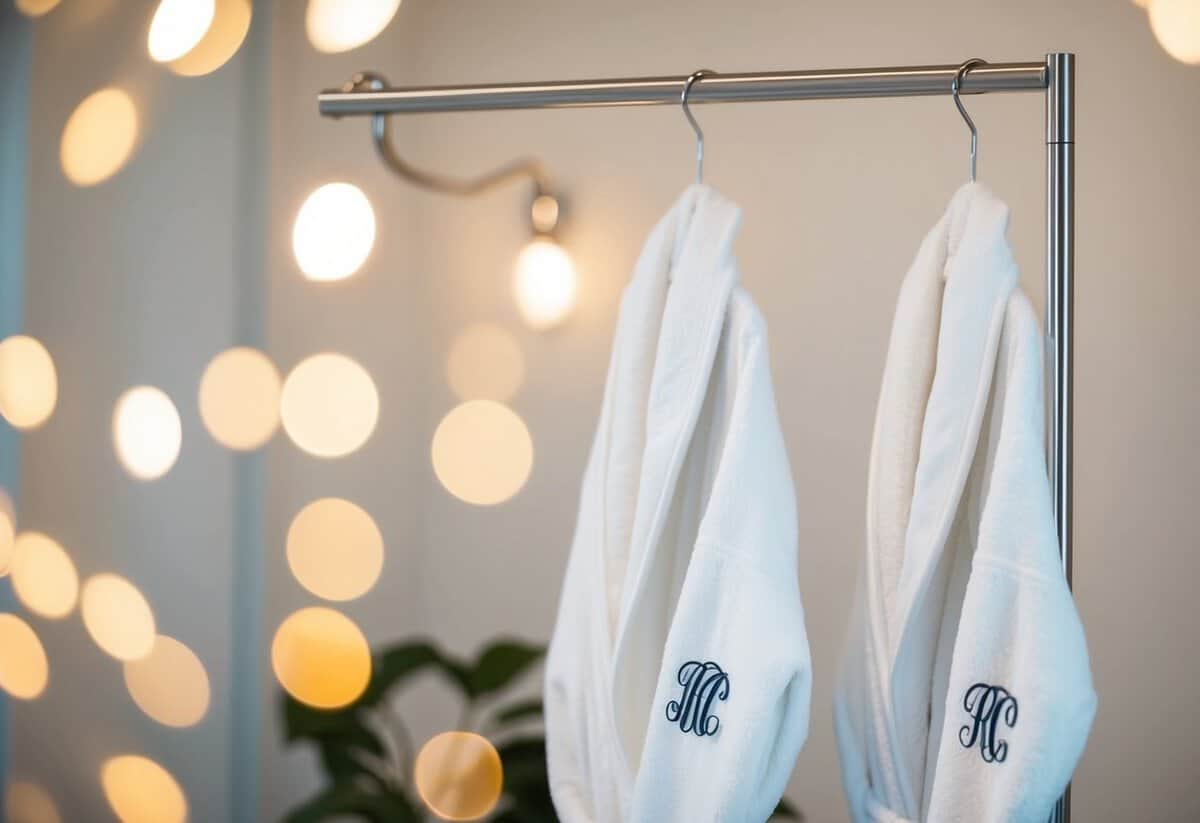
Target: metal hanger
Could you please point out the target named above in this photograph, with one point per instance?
(954, 87)
(683, 99)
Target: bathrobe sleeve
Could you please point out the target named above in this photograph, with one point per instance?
(1019, 701)
(731, 706)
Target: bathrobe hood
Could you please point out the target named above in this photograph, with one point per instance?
(965, 692)
(678, 677)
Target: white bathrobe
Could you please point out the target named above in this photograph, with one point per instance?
(965, 692)
(678, 677)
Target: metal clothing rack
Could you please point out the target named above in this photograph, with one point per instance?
(1054, 77)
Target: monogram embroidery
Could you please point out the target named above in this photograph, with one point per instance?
(703, 683)
(987, 706)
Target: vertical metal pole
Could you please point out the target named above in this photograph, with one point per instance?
(1060, 298)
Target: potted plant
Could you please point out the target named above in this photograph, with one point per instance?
(368, 753)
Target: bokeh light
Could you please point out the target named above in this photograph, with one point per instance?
(329, 405)
(335, 549)
(485, 363)
(239, 398)
(139, 790)
(341, 25)
(43, 576)
(24, 670)
(177, 27)
(28, 382)
(8, 532)
(170, 684)
(146, 432)
(36, 8)
(1176, 26)
(99, 137)
(117, 617)
(482, 452)
(545, 283)
(334, 232)
(27, 802)
(321, 658)
(231, 22)
(459, 775)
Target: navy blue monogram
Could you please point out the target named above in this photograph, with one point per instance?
(987, 707)
(703, 684)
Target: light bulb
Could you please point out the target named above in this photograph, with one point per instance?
(545, 283)
(1176, 26)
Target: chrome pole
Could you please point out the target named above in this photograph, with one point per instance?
(1060, 299)
(901, 81)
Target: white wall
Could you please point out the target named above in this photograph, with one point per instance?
(132, 283)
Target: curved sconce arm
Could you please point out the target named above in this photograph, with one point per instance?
(545, 204)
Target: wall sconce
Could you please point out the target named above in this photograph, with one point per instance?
(544, 279)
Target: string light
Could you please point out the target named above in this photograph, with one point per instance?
(43, 576)
(99, 137)
(170, 684)
(482, 452)
(146, 432)
(329, 405)
(117, 617)
(341, 25)
(28, 382)
(334, 232)
(139, 790)
(177, 27)
(1176, 26)
(459, 775)
(321, 658)
(335, 549)
(230, 24)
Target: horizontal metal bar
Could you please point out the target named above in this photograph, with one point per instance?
(902, 81)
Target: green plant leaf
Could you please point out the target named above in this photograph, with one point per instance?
(524, 710)
(394, 666)
(338, 758)
(786, 810)
(524, 761)
(524, 814)
(337, 735)
(500, 664)
(302, 722)
(348, 798)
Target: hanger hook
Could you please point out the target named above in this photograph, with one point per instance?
(954, 87)
(687, 112)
